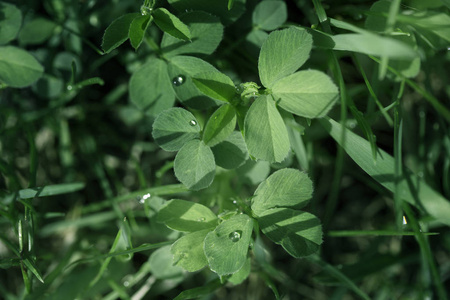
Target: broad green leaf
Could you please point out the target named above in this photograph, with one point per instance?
(137, 30)
(216, 8)
(36, 31)
(161, 264)
(206, 34)
(205, 290)
(151, 88)
(185, 67)
(215, 85)
(18, 68)
(284, 188)
(194, 165)
(242, 274)
(170, 24)
(298, 232)
(117, 32)
(412, 189)
(175, 127)
(186, 216)
(51, 190)
(282, 54)
(309, 94)
(10, 22)
(265, 133)
(269, 15)
(220, 125)
(232, 152)
(226, 247)
(188, 251)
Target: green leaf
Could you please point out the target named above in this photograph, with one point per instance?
(18, 68)
(206, 34)
(205, 290)
(51, 190)
(186, 67)
(309, 94)
(220, 125)
(10, 22)
(232, 152)
(33, 268)
(188, 251)
(216, 8)
(215, 85)
(187, 216)
(226, 247)
(36, 31)
(412, 189)
(117, 32)
(151, 88)
(284, 188)
(265, 133)
(194, 165)
(137, 30)
(298, 232)
(162, 266)
(282, 54)
(169, 23)
(269, 15)
(242, 274)
(175, 127)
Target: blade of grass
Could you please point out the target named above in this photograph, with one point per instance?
(371, 91)
(194, 293)
(348, 233)
(338, 170)
(414, 191)
(439, 107)
(426, 253)
(334, 272)
(398, 166)
(51, 190)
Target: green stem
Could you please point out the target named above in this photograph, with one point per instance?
(398, 128)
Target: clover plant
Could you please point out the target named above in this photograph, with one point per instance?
(208, 127)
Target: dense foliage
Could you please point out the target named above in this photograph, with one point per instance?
(224, 149)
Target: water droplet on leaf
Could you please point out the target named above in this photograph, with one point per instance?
(192, 122)
(235, 236)
(145, 10)
(69, 87)
(178, 80)
(201, 219)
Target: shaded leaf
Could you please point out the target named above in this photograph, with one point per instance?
(137, 30)
(215, 85)
(188, 251)
(265, 133)
(186, 216)
(232, 152)
(10, 22)
(117, 32)
(36, 31)
(175, 127)
(269, 15)
(220, 125)
(169, 23)
(18, 68)
(282, 54)
(226, 247)
(284, 188)
(194, 165)
(309, 94)
(162, 266)
(298, 232)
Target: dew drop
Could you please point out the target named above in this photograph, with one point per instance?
(126, 283)
(201, 219)
(69, 87)
(235, 236)
(145, 10)
(234, 202)
(192, 122)
(178, 80)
